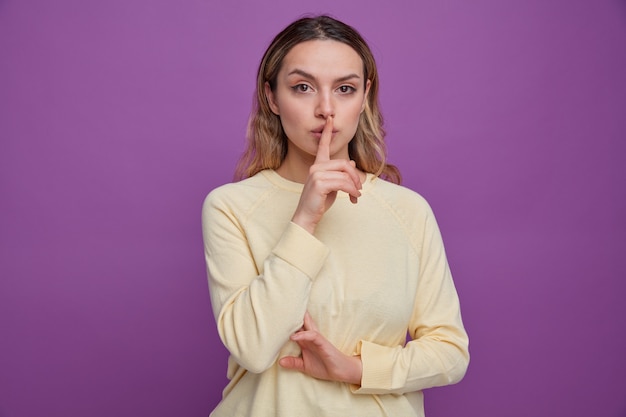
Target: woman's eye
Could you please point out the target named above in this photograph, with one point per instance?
(346, 89)
(301, 88)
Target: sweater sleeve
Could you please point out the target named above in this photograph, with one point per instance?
(256, 311)
(438, 353)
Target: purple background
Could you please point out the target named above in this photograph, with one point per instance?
(117, 117)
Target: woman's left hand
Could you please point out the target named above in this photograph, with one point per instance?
(320, 359)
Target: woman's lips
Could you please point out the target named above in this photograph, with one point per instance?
(318, 133)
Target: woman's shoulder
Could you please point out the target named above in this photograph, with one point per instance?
(399, 195)
(408, 207)
(240, 193)
(238, 187)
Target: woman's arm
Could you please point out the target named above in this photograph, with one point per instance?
(438, 354)
(256, 312)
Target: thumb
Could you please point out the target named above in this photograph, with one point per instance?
(292, 362)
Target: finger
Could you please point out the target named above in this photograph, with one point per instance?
(338, 170)
(292, 362)
(359, 185)
(309, 324)
(310, 340)
(324, 169)
(326, 182)
(323, 147)
(354, 173)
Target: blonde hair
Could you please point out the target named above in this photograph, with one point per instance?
(266, 140)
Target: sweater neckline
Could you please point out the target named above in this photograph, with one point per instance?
(281, 182)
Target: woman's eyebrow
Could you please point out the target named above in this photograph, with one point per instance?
(311, 77)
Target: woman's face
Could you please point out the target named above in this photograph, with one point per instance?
(317, 79)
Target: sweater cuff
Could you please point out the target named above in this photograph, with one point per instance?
(302, 250)
(377, 362)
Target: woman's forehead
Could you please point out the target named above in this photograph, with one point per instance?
(323, 57)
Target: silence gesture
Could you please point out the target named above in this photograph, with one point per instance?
(326, 177)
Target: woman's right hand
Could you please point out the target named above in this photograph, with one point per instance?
(326, 177)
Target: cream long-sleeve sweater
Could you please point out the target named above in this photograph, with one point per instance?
(372, 272)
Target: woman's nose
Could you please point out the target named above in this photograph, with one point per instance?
(325, 106)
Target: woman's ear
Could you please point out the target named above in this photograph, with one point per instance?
(366, 95)
(271, 100)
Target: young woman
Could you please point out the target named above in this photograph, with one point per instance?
(319, 264)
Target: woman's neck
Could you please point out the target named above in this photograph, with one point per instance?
(296, 172)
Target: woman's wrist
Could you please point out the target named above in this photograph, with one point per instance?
(303, 223)
(355, 371)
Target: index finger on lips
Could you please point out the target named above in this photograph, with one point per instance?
(323, 147)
